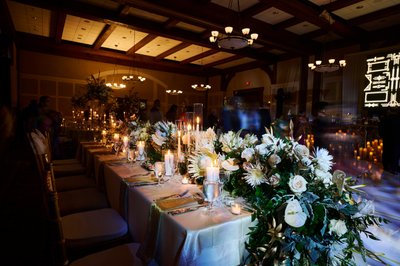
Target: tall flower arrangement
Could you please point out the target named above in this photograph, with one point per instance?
(304, 213)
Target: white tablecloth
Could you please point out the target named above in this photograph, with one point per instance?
(193, 238)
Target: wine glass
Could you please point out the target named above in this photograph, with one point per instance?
(212, 191)
(159, 170)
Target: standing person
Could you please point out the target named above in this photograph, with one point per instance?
(155, 113)
(172, 113)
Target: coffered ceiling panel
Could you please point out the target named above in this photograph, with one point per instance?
(364, 7)
(302, 28)
(273, 16)
(30, 19)
(158, 46)
(123, 39)
(81, 30)
(214, 58)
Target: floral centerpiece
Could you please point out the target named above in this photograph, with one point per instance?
(304, 214)
(163, 137)
(139, 131)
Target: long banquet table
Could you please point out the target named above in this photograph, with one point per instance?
(192, 238)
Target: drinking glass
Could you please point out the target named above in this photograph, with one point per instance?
(212, 191)
(159, 170)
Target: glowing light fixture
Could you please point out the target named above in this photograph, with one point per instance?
(232, 41)
(174, 92)
(329, 67)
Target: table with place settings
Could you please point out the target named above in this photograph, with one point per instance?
(198, 237)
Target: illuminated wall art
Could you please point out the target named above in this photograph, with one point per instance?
(383, 81)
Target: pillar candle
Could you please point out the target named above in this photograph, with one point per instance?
(212, 173)
(179, 145)
(125, 140)
(236, 208)
(140, 146)
(189, 127)
(116, 137)
(197, 132)
(169, 163)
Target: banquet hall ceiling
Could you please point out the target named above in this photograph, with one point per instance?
(174, 35)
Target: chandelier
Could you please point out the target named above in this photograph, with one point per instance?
(232, 41)
(174, 92)
(115, 85)
(132, 77)
(329, 67)
(201, 87)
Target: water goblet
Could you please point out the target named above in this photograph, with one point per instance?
(159, 170)
(212, 191)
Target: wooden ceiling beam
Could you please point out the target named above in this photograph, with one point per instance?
(141, 44)
(199, 56)
(98, 14)
(312, 15)
(223, 61)
(106, 32)
(45, 45)
(173, 50)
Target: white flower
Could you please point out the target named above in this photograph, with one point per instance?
(336, 255)
(269, 139)
(324, 159)
(325, 177)
(158, 138)
(366, 207)
(229, 165)
(338, 227)
(306, 162)
(262, 149)
(274, 179)
(294, 215)
(297, 184)
(249, 140)
(301, 151)
(230, 141)
(273, 160)
(254, 175)
(247, 154)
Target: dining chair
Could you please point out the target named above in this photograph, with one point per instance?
(80, 233)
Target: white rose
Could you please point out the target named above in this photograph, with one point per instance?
(301, 151)
(298, 184)
(273, 160)
(366, 207)
(338, 227)
(325, 177)
(247, 154)
(294, 215)
(268, 139)
(262, 149)
(229, 165)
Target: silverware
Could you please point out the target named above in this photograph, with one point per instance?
(185, 210)
(180, 195)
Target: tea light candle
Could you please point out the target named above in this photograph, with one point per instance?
(169, 163)
(236, 208)
(116, 137)
(185, 180)
(212, 173)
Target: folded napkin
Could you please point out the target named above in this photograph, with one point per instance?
(175, 203)
(140, 180)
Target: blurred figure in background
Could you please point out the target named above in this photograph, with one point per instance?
(171, 115)
(155, 113)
